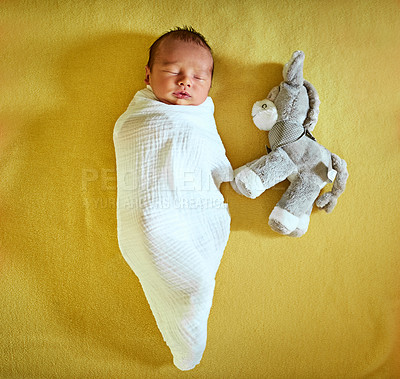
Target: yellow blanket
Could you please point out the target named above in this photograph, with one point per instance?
(326, 305)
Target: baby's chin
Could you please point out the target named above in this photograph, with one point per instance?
(185, 102)
(173, 99)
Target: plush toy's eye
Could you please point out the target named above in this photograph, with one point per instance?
(264, 106)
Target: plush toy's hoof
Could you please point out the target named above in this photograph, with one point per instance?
(296, 233)
(248, 183)
(285, 223)
(302, 226)
(282, 221)
(276, 226)
(233, 182)
(235, 187)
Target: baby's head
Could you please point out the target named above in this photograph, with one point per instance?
(180, 67)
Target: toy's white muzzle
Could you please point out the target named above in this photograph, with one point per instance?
(264, 114)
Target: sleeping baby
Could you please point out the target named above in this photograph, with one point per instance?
(173, 223)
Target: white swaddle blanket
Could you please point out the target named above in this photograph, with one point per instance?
(173, 224)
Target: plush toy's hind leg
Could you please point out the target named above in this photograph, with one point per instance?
(302, 225)
(292, 213)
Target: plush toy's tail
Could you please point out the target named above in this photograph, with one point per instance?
(328, 200)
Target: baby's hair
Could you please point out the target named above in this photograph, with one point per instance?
(186, 34)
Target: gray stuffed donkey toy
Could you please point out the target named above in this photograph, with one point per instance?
(290, 113)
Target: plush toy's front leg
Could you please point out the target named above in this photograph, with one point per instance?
(254, 178)
(241, 190)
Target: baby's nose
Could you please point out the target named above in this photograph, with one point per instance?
(185, 81)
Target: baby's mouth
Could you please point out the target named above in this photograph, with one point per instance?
(181, 94)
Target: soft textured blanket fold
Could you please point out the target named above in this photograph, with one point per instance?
(173, 224)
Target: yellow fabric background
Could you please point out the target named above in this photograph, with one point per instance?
(322, 306)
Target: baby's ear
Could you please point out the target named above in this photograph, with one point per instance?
(147, 77)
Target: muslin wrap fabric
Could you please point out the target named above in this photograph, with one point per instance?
(173, 223)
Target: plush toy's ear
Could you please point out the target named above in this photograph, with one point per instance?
(293, 70)
(264, 114)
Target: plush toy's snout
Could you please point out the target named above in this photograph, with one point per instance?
(264, 114)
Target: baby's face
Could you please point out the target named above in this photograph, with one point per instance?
(181, 73)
